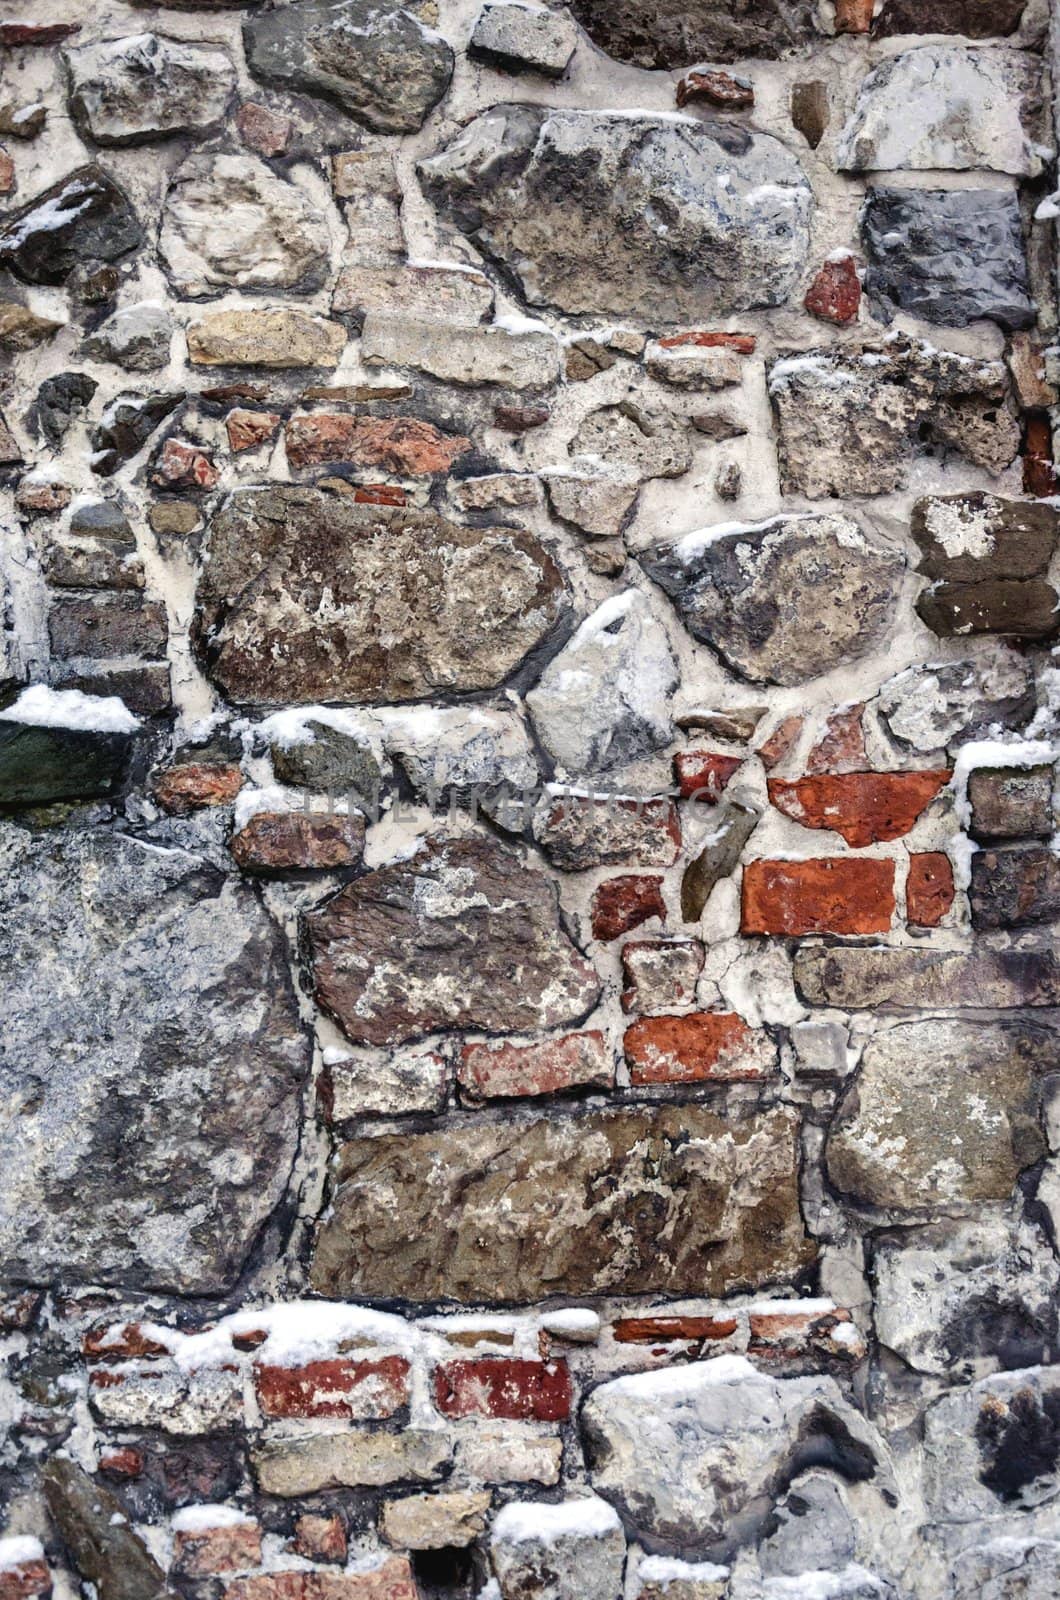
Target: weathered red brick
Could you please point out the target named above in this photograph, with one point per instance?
(319, 1538)
(520, 419)
(298, 841)
(267, 132)
(703, 774)
(391, 1581)
(703, 1045)
(22, 33)
(43, 495)
(835, 293)
(180, 790)
(26, 1580)
(929, 888)
(246, 429)
(397, 444)
(622, 904)
(499, 1069)
(517, 1391)
(717, 89)
(664, 1330)
(380, 494)
(780, 743)
(841, 747)
(743, 343)
(334, 1387)
(1039, 473)
(229, 1547)
(827, 894)
(786, 1332)
(125, 1462)
(184, 465)
(864, 807)
(121, 1341)
(853, 16)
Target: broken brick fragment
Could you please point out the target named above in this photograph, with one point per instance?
(929, 888)
(499, 1069)
(864, 807)
(623, 903)
(717, 88)
(703, 774)
(194, 787)
(835, 293)
(334, 1387)
(700, 1047)
(742, 343)
(826, 894)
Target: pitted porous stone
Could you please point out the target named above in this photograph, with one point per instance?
(307, 597)
(673, 219)
(686, 31)
(374, 58)
(725, 1440)
(145, 87)
(666, 1199)
(230, 222)
(783, 601)
(146, 999)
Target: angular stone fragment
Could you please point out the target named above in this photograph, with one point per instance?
(22, 329)
(461, 936)
(188, 1050)
(506, 181)
(927, 708)
(732, 825)
(689, 31)
(851, 421)
(810, 110)
(725, 1443)
(414, 604)
(95, 1530)
(521, 38)
(689, 366)
(864, 807)
(929, 888)
(708, 1046)
(266, 132)
(1015, 888)
(831, 894)
(179, 464)
(992, 1448)
(705, 1205)
(882, 978)
(298, 841)
(436, 1521)
(145, 87)
(1018, 608)
(409, 1080)
(377, 61)
(946, 107)
(646, 442)
(248, 430)
(595, 499)
(501, 1452)
(622, 904)
(783, 601)
(502, 1070)
(467, 355)
(942, 1114)
(403, 445)
(300, 1466)
(578, 831)
(835, 293)
(284, 337)
(719, 89)
(573, 1550)
(136, 338)
(229, 221)
(231, 1545)
(83, 217)
(975, 19)
(126, 425)
(1008, 1569)
(107, 625)
(964, 538)
(195, 787)
(948, 255)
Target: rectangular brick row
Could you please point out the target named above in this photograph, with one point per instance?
(336, 1387)
(512, 1389)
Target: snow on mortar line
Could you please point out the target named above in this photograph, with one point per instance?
(201, 1518)
(786, 1308)
(524, 1521)
(693, 544)
(297, 1331)
(426, 264)
(822, 1585)
(291, 727)
(19, 1549)
(41, 707)
(989, 753)
(574, 1320)
(664, 1570)
(511, 322)
(677, 1383)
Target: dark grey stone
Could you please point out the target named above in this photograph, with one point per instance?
(84, 217)
(683, 32)
(39, 765)
(126, 425)
(95, 1529)
(59, 400)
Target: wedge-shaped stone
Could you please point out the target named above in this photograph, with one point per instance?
(886, 978)
(675, 1199)
(307, 597)
(656, 231)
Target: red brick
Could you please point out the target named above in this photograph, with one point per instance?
(125, 1462)
(780, 743)
(835, 293)
(25, 1580)
(517, 1391)
(1039, 474)
(828, 894)
(397, 444)
(705, 1045)
(335, 1387)
(929, 888)
(853, 16)
(298, 841)
(548, 1066)
(180, 790)
(717, 89)
(267, 132)
(742, 343)
(703, 774)
(863, 807)
(22, 33)
(47, 496)
(391, 1581)
(121, 1341)
(841, 747)
(622, 904)
(380, 494)
(184, 465)
(664, 1330)
(226, 1548)
(319, 1538)
(246, 429)
(785, 1333)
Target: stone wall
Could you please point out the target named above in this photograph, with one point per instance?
(529, 570)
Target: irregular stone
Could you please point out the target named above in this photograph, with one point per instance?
(864, 807)
(427, 604)
(230, 1546)
(157, 1394)
(151, 1053)
(815, 1531)
(637, 32)
(964, 538)
(196, 786)
(378, 62)
(726, 1440)
(578, 831)
(719, 89)
(520, 419)
(851, 421)
(624, 903)
(41, 764)
(249, 430)
(23, 121)
(604, 701)
(320, 1538)
(947, 255)
(410, 1212)
(403, 445)
(42, 492)
(95, 1531)
(1007, 1569)
(499, 1069)
(296, 841)
(436, 1521)
(1026, 361)
(519, 490)
(337, 757)
(841, 747)
(409, 1080)
(832, 894)
(942, 1114)
(587, 357)
(102, 626)
(146, 87)
(495, 354)
(651, 444)
(506, 181)
(434, 294)
(1018, 609)
(573, 1550)
(732, 825)
(929, 707)
(390, 1580)
(734, 723)
(84, 217)
(126, 425)
(1015, 888)
(881, 978)
(22, 329)
(502, 1452)
(666, 1578)
(708, 1046)
(391, 951)
(948, 108)
(728, 482)
(660, 974)
(453, 756)
(182, 465)
(1007, 802)
(688, 366)
(35, 33)
(597, 500)
(88, 563)
(228, 221)
(810, 110)
(144, 688)
(975, 19)
(835, 293)
(284, 337)
(853, 16)
(316, 1461)
(783, 601)
(993, 1447)
(522, 38)
(929, 888)
(262, 130)
(136, 338)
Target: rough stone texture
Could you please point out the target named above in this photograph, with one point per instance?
(299, 1466)
(172, 1218)
(976, 19)
(942, 1114)
(831, 894)
(706, 1046)
(377, 62)
(280, 338)
(1015, 888)
(275, 842)
(947, 256)
(624, 903)
(95, 1529)
(875, 978)
(965, 538)
(518, 360)
(393, 958)
(85, 217)
(1009, 802)
(577, 832)
(436, 1521)
(784, 601)
(520, 38)
(396, 444)
(929, 707)
(734, 823)
(41, 764)
(146, 87)
(929, 888)
(397, 630)
(722, 1211)
(506, 179)
(1018, 609)
(576, 1552)
(136, 338)
(689, 31)
(992, 1447)
(502, 1070)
